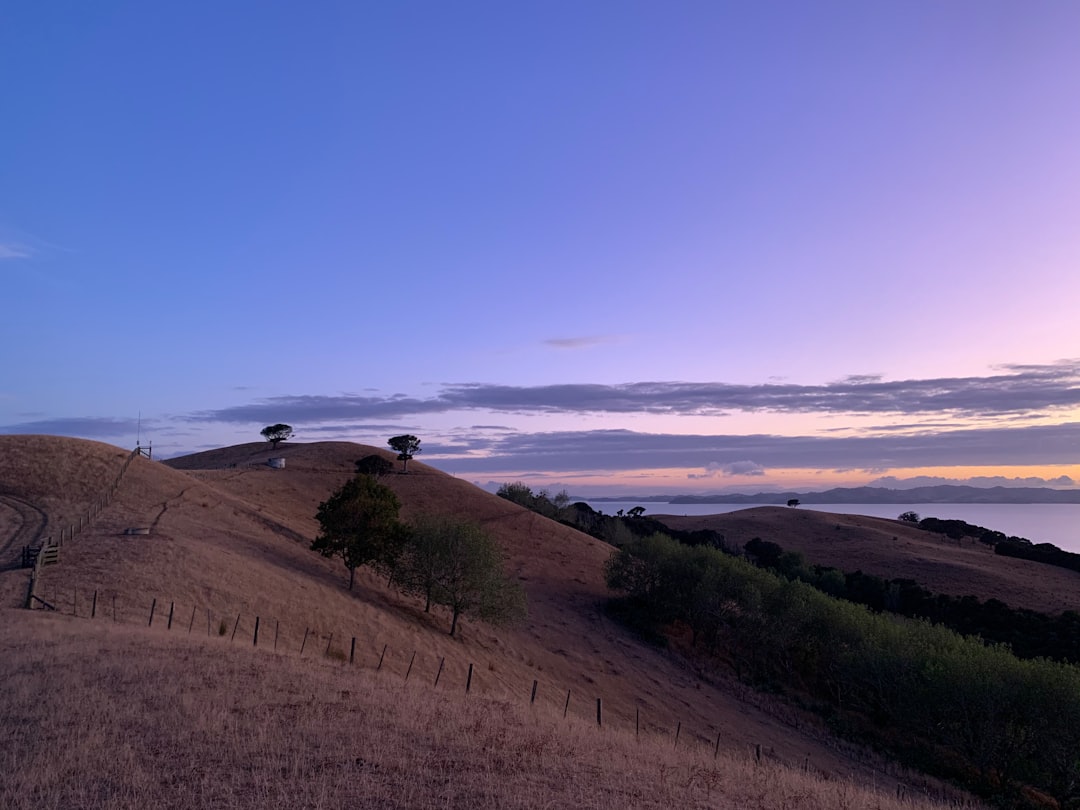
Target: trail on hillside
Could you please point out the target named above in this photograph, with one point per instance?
(21, 524)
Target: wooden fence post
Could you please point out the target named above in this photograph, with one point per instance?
(409, 670)
(172, 605)
(599, 713)
(255, 641)
(468, 681)
(381, 658)
(235, 625)
(566, 705)
(303, 643)
(678, 729)
(93, 606)
(716, 751)
(329, 641)
(277, 626)
(532, 697)
(757, 752)
(438, 674)
(152, 606)
(192, 622)
(352, 650)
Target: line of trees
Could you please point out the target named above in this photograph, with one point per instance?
(941, 702)
(446, 562)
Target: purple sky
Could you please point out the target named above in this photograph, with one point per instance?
(618, 247)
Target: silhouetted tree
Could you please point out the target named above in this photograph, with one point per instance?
(276, 433)
(374, 465)
(910, 517)
(793, 502)
(406, 446)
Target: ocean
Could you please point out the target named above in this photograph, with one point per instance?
(1057, 523)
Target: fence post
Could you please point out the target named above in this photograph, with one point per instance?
(532, 697)
(235, 625)
(599, 713)
(255, 642)
(567, 704)
(277, 626)
(152, 606)
(468, 681)
(192, 622)
(352, 650)
(381, 658)
(303, 643)
(93, 606)
(329, 641)
(678, 729)
(438, 674)
(172, 605)
(757, 752)
(409, 670)
(637, 721)
(716, 751)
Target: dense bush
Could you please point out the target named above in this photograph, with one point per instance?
(916, 689)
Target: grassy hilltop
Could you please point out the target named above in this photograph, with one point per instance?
(111, 712)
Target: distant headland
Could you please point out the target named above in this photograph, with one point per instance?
(932, 494)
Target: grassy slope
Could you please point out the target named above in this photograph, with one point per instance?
(230, 536)
(891, 548)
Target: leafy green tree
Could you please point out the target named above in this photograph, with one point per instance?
(359, 524)
(458, 565)
(910, 517)
(276, 433)
(406, 446)
(373, 465)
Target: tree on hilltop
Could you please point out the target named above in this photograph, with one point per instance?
(359, 524)
(276, 433)
(406, 446)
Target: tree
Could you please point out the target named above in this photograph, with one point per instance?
(359, 524)
(276, 433)
(793, 502)
(406, 447)
(636, 512)
(458, 565)
(910, 517)
(373, 465)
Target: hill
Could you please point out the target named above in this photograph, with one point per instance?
(229, 541)
(896, 550)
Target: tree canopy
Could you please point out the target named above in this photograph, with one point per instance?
(359, 524)
(406, 446)
(374, 465)
(457, 564)
(276, 433)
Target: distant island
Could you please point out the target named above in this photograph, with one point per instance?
(934, 494)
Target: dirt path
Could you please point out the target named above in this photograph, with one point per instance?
(21, 524)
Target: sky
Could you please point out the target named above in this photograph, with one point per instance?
(613, 247)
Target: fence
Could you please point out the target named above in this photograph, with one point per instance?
(48, 553)
(419, 667)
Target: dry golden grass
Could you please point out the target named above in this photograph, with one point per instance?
(894, 549)
(231, 537)
(98, 715)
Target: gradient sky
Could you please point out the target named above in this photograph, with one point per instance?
(622, 247)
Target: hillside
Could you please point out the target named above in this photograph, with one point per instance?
(897, 550)
(229, 541)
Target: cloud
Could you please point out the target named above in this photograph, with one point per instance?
(10, 250)
(618, 450)
(584, 342)
(82, 427)
(1018, 392)
(892, 482)
(734, 468)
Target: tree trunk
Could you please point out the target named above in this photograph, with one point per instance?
(352, 576)
(453, 622)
